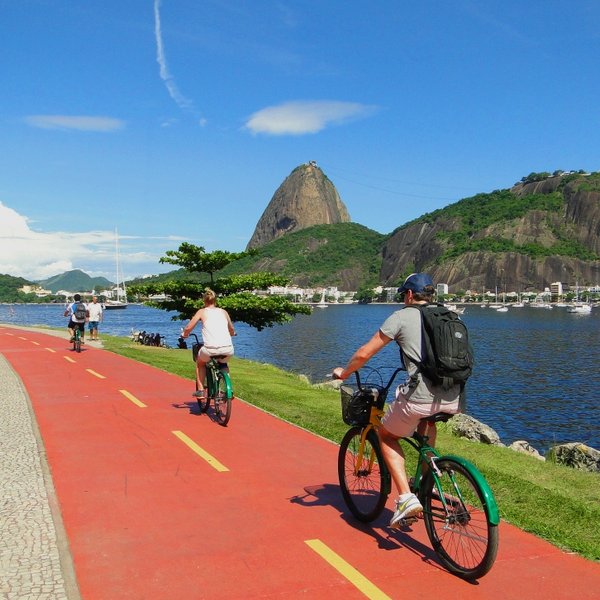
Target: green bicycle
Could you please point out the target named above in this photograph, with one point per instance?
(218, 386)
(459, 510)
(76, 339)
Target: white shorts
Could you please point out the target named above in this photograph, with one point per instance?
(402, 417)
(205, 354)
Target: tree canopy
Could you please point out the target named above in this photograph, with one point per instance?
(236, 293)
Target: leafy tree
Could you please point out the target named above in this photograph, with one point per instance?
(365, 295)
(235, 292)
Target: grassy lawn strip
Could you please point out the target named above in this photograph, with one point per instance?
(559, 504)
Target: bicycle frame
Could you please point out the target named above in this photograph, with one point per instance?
(429, 456)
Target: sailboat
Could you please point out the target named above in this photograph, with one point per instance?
(322, 303)
(120, 300)
(578, 307)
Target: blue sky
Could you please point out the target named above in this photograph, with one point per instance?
(176, 120)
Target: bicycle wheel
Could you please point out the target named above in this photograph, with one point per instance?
(364, 479)
(223, 399)
(458, 527)
(77, 343)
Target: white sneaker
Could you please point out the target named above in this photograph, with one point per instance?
(407, 505)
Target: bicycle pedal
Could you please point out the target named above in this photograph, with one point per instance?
(407, 521)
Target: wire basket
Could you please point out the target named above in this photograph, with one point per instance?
(356, 404)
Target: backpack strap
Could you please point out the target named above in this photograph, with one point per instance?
(414, 378)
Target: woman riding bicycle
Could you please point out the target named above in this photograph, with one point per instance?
(217, 331)
(416, 399)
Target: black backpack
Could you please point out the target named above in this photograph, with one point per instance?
(80, 311)
(447, 356)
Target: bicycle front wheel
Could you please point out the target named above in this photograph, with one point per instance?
(364, 479)
(223, 399)
(456, 521)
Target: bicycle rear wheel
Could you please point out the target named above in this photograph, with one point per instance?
(364, 479)
(458, 526)
(223, 399)
(77, 343)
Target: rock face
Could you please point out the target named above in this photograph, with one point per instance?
(306, 197)
(418, 246)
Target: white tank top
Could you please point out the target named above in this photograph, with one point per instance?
(215, 330)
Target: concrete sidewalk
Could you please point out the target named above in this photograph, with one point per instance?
(35, 562)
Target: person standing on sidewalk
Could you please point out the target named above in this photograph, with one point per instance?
(96, 312)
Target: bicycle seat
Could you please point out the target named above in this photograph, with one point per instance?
(439, 417)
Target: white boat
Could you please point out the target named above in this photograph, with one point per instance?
(322, 303)
(580, 308)
(120, 292)
(459, 310)
(577, 307)
(502, 309)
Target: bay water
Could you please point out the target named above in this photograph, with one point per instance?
(536, 378)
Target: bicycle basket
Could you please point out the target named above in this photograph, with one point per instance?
(356, 404)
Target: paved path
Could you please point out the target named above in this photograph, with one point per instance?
(149, 500)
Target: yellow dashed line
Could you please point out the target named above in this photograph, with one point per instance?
(95, 374)
(68, 358)
(36, 343)
(211, 460)
(22, 338)
(50, 350)
(133, 398)
(348, 571)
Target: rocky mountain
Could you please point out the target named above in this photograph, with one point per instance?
(75, 281)
(520, 239)
(306, 197)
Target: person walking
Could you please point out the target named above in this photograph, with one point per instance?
(217, 331)
(96, 313)
(416, 399)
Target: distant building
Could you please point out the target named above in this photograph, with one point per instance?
(556, 291)
(442, 289)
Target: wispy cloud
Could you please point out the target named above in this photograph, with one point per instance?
(80, 123)
(161, 59)
(38, 255)
(302, 117)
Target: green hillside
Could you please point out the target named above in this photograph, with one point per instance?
(75, 281)
(9, 289)
(343, 254)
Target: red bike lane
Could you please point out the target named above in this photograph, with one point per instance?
(159, 502)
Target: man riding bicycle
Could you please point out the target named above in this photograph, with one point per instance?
(78, 313)
(416, 399)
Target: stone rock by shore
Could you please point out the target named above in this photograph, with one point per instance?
(576, 455)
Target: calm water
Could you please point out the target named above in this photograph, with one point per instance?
(536, 375)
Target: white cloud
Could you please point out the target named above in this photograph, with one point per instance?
(161, 59)
(80, 123)
(301, 117)
(38, 255)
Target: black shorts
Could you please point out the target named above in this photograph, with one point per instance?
(80, 326)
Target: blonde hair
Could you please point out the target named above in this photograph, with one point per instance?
(209, 297)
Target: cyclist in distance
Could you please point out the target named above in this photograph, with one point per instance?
(76, 322)
(416, 398)
(217, 331)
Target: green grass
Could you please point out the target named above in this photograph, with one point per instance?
(559, 504)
